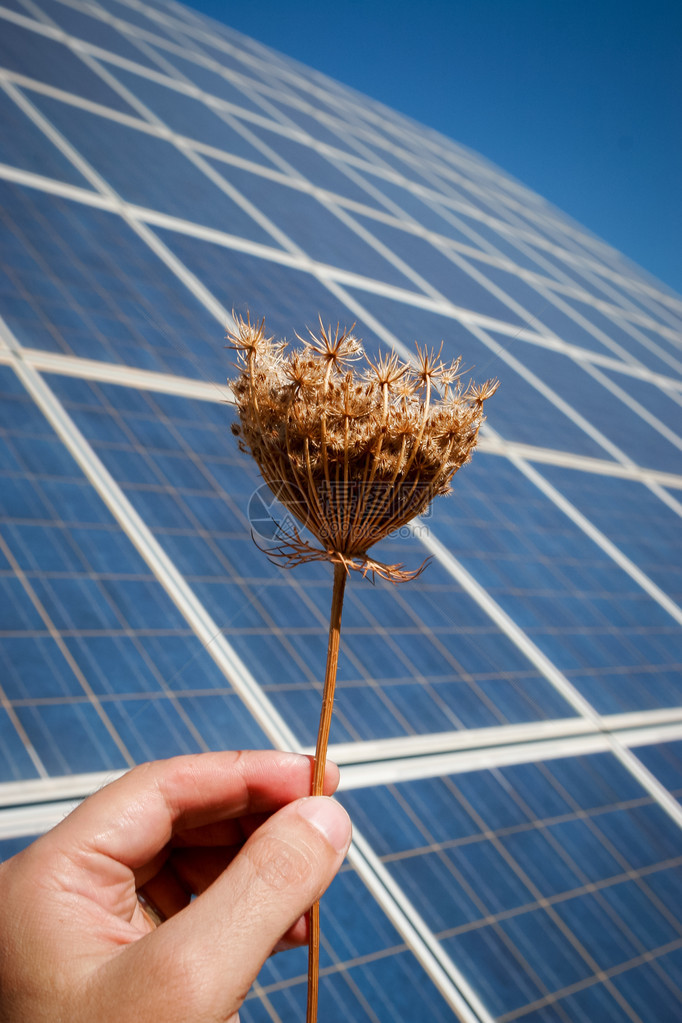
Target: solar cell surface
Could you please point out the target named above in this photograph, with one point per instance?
(509, 725)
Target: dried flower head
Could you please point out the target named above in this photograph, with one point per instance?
(354, 448)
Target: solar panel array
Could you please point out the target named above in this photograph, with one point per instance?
(510, 724)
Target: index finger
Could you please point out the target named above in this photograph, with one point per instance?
(133, 818)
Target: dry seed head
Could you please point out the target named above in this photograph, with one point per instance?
(386, 370)
(353, 452)
(429, 367)
(334, 349)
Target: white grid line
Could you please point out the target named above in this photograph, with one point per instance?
(205, 296)
(176, 83)
(433, 953)
(550, 671)
(447, 307)
(187, 387)
(303, 263)
(300, 183)
(419, 938)
(599, 538)
(353, 225)
(420, 756)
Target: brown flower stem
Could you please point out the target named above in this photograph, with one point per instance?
(340, 573)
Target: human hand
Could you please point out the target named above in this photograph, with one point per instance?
(76, 944)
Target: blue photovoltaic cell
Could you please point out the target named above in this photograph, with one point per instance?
(367, 972)
(438, 662)
(506, 243)
(555, 887)
(665, 762)
(660, 316)
(643, 527)
(190, 117)
(623, 299)
(546, 317)
(211, 81)
(539, 422)
(15, 760)
(546, 227)
(17, 6)
(355, 142)
(627, 299)
(150, 172)
(644, 992)
(641, 352)
(552, 233)
(480, 195)
(11, 846)
(547, 259)
(658, 347)
(24, 145)
(617, 645)
(136, 16)
(459, 183)
(291, 300)
(226, 52)
(179, 13)
(571, 257)
(85, 664)
(472, 164)
(37, 56)
(87, 26)
(79, 281)
(313, 227)
(313, 126)
(579, 240)
(529, 233)
(663, 405)
(535, 877)
(446, 276)
(608, 413)
(417, 144)
(426, 212)
(72, 738)
(370, 144)
(327, 173)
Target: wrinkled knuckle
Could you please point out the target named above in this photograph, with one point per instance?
(278, 864)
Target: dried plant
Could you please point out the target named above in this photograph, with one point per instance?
(354, 448)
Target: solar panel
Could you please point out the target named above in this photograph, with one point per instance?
(509, 724)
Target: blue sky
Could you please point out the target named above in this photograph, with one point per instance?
(581, 101)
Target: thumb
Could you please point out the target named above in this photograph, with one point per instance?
(201, 963)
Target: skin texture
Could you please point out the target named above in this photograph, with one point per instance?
(75, 943)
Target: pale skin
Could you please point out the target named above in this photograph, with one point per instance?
(235, 829)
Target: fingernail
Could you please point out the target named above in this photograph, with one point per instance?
(328, 817)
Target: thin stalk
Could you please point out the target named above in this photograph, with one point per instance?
(340, 573)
